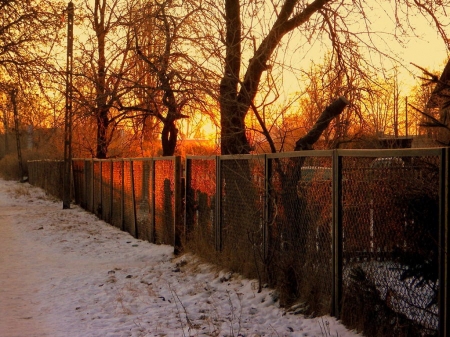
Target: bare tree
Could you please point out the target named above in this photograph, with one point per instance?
(317, 20)
(101, 67)
(29, 45)
(174, 83)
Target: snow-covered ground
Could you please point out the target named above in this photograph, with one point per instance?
(66, 273)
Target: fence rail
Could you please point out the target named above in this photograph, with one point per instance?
(358, 234)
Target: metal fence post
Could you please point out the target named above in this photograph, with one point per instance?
(92, 209)
(85, 188)
(177, 209)
(444, 282)
(111, 190)
(189, 198)
(122, 195)
(133, 199)
(218, 206)
(152, 201)
(337, 235)
(267, 207)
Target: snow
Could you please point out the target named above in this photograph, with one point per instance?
(66, 273)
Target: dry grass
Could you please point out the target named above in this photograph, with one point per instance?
(9, 164)
(19, 191)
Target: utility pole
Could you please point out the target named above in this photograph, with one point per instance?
(68, 114)
(406, 116)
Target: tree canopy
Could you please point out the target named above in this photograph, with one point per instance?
(143, 69)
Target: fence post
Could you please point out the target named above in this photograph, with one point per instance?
(337, 236)
(133, 199)
(177, 209)
(444, 282)
(92, 209)
(267, 207)
(152, 202)
(189, 198)
(83, 202)
(122, 195)
(217, 212)
(111, 189)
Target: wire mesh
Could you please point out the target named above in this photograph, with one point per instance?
(117, 194)
(48, 175)
(97, 186)
(390, 244)
(79, 182)
(200, 204)
(300, 226)
(164, 206)
(106, 168)
(142, 174)
(129, 217)
(89, 172)
(242, 214)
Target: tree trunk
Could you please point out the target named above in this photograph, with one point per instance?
(169, 138)
(101, 109)
(102, 127)
(235, 102)
(232, 122)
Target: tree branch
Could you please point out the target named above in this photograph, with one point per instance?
(330, 112)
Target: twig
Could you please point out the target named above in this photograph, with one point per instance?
(177, 300)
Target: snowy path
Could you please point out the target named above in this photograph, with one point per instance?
(64, 273)
(19, 281)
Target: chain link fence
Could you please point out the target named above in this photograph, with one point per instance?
(140, 196)
(200, 206)
(390, 244)
(48, 175)
(118, 191)
(300, 228)
(164, 194)
(359, 234)
(242, 202)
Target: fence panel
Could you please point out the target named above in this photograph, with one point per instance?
(48, 175)
(129, 211)
(106, 202)
(200, 213)
(300, 226)
(97, 188)
(164, 202)
(142, 194)
(89, 171)
(118, 195)
(390, 243)
(79, 182)
(241, 213)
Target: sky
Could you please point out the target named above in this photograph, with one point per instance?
(426, 48)
(65, 273)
